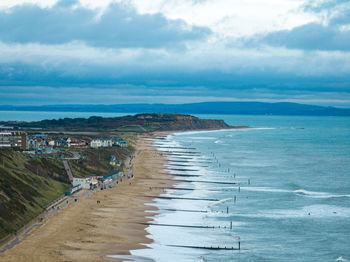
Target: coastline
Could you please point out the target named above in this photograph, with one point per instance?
(87, 231)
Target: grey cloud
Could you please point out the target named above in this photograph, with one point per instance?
(311, 36)
(327, 36)
(324, 5)
(337, 11)
(119, 26)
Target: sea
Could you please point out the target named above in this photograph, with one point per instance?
(290, 200)
(278, 191)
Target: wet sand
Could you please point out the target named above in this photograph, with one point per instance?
(87, 231)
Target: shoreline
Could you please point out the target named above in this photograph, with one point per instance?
(87, 231)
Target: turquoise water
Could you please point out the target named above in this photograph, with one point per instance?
(296, 207)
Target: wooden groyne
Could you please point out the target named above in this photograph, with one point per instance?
(181, 157)
(174, 188)
(182, 175)
(174, 225)
(205, 181)
(184, 210)
(192, 181)
(182, 165)
(183, 169)
(176, 147)
(189, 161)
(192, 189)
(181, 153)
(185, 198)
(204, 247)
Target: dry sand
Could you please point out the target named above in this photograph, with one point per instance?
(87, 231)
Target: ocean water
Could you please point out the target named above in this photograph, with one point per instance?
(292, 192)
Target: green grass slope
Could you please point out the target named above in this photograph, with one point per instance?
(27, 186)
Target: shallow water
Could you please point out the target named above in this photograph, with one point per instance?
(292, 202)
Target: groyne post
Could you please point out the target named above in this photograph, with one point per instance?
(239, 243)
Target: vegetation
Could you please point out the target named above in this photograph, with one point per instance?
(137, 123)
(96, 161)
(29, 184)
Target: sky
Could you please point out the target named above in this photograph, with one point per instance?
(174, 51)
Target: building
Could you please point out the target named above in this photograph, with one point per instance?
(113, 160)
(77, 143)
(32, 143)
(50, 142)
(101, 142)
(85, 183)
(121, 142)
(15, 139)
(19, 139)
(96, 143)
(5, 139)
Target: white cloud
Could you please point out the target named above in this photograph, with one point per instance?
(231, 17)
(224, 17)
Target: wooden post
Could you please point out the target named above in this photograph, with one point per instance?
(231, 225)
(239, 243)
(226, 210)
(234, 199)
(248, 181)
(239, 187)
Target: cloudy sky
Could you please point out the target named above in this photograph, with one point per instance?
(174, 51)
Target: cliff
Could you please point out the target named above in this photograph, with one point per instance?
(136, 123)
(29, 184)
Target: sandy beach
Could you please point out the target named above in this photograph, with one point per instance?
(87, 231)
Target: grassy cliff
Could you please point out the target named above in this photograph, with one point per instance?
(136, 123)
(28, 185)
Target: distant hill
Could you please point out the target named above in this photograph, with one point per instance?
(135, 123)
(245, 108)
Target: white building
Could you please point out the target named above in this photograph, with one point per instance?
(51, 143)
(5, 139)
(96, 143)
(85, 183)
(101, 142)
